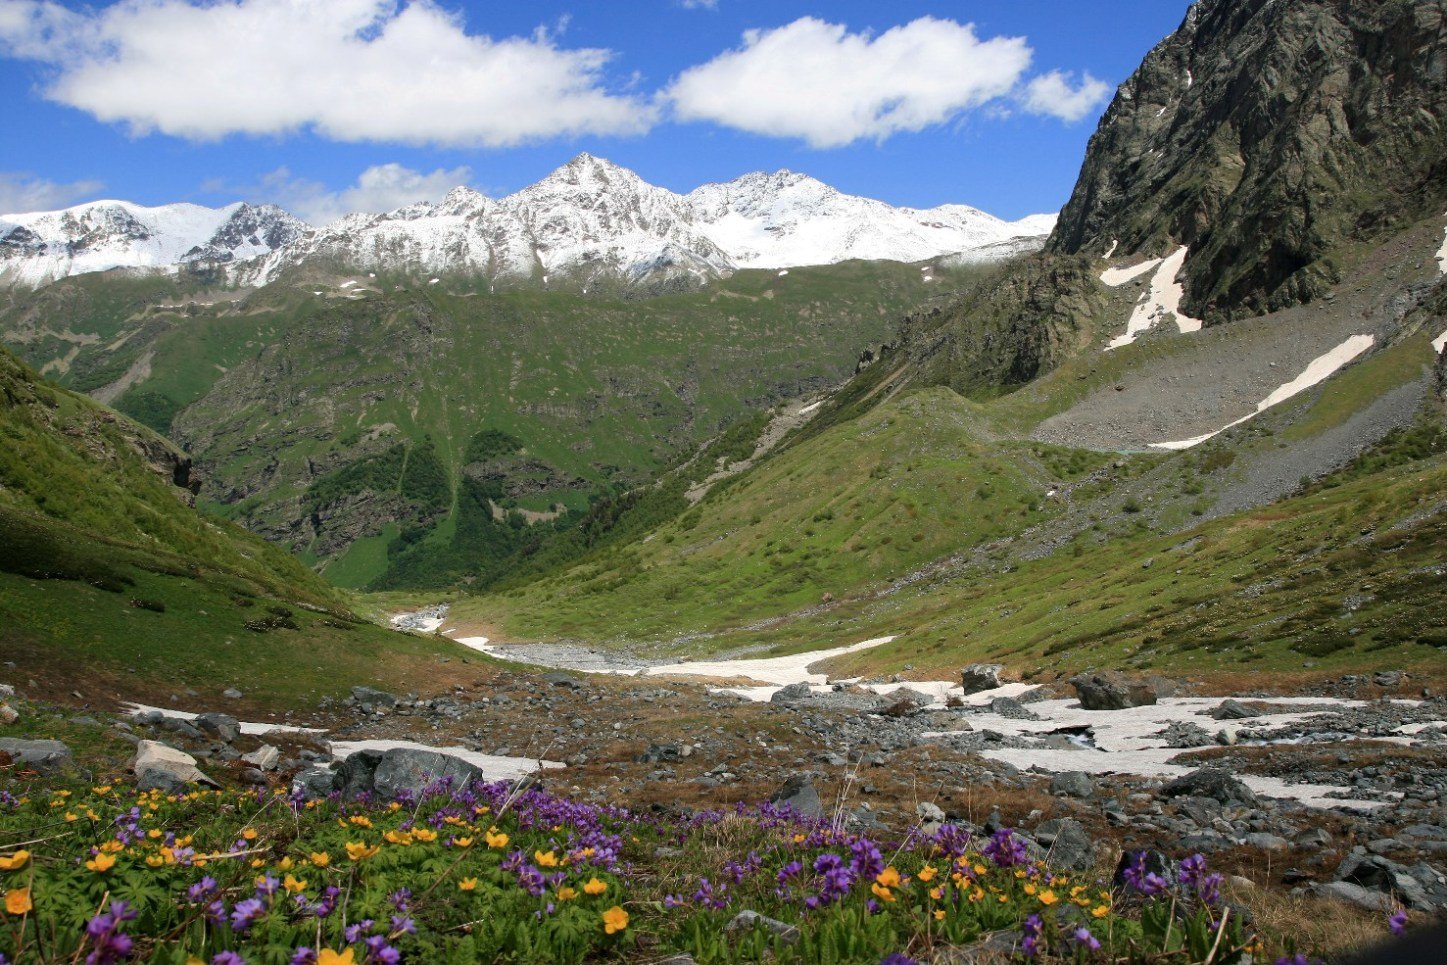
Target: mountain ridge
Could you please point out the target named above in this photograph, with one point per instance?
(589, 218)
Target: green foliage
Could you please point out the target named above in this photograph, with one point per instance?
(492, 444)
(151, 409)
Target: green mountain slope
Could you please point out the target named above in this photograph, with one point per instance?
(304, 410)
(104, 565)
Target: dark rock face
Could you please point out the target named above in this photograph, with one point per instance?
(1211, 782)
(45, 756)
(800, 794)
(221, 726)
(1262, 134)
(980, 676)
(1108, 690)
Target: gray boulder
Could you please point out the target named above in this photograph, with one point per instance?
(220, 726)
(1214, 783)
(1183, 734)
(1011, 708)
(1235, 710)
(1108, 690)
(162, 767)
(1072, 784)
(1356, 895)
(791, 694)
(372, 700)
(357, 773)
(264, 758)
(405, 769)
(1070, 846)
(746, 921)
(45, 756)
(980, 676)
(315, 782)
(800, 794)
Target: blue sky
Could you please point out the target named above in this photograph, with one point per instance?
(328, 105)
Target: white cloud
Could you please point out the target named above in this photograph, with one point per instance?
(698, 4)
(352, 70)
(378, 189)
(20, 193)
(817, 81)
(1052, 94)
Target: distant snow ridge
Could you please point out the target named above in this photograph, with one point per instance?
(36, 249)
(588, 219)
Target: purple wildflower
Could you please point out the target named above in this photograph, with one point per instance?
(898, 958)
(247, 913)
(304, 956)
(1398, 922)
(1034, 932)
(1004, 849)
(356, 930)
(107, 942)
(227, 958)
(1083, 938)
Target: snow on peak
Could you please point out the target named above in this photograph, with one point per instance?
(590, 217)
(41, 247)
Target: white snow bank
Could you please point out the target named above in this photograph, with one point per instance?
(493, 767)
(811, 407)
(247, 727)
(423, 625)
(1127, 741)
(1163, 298)
(793, 669)
(1442, 253)
(1439, 343)
(1115, 277)
(1317, 370)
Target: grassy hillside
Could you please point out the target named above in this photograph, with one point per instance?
(935, 517)
(286, 396)
(104, 565)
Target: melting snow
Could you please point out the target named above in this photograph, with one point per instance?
(1442, 254)
(1316, 371)
(247, 727)
(1439, 343)
(811, 407)
(1163, 298)
(1114, 243)
(1115, 277)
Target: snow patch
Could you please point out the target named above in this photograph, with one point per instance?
(811, 407)
(493, 767)
(1439, 343)
(1115, 277)
(793, 669)
(1162, 299)
(1114, 244)
(1442, 254)
(1319, 369)
(255, 729)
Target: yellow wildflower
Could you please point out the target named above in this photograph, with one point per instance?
(361, 820)
(328, 957)
(1030, 889)
(360, 851)
(889, 877)
(467, 884)
(567, 894)
(249, 834)
(594, 886)
(937, 892)
(545, 859)
(154, 861)
(1100, 911)
(497, 840)
(17, 901)
(101, 791)
(462, 842)
(927, 873)
(1048, 897)
(293, 884)
(881, 892)
(101, 863)
(939, 914)
(154, 833)
(424, 834)
(14, 861)
(615, 919)
(321, 859)
(285, 864)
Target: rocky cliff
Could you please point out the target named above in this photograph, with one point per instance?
(1263, 134)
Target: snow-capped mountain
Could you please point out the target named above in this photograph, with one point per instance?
(38, 248)
(588, 219)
